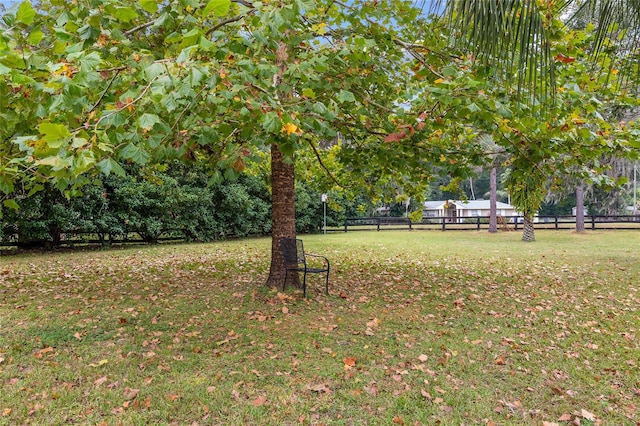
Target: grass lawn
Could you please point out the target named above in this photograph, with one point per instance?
(421, 327)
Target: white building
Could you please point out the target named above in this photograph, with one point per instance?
(455, 209)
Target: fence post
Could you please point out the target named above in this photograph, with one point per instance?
(556, 222)
(515, 220)
(378, 223)
(478, 222)
(345, 225)
(593, 222)
(409, 219)
(443, 223)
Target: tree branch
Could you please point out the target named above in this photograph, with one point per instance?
(138, 28)
(244, 3)
(227, 21)
(315, 151)
(125, 106)
(105, 91)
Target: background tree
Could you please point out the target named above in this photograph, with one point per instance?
(523, 42)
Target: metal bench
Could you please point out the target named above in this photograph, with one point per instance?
(295, 260)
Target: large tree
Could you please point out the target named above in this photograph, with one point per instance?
(87, 85)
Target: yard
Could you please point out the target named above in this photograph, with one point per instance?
(420, 327)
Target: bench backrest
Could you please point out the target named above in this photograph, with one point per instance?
(292, 252)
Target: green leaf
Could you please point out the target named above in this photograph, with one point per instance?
(125, 14)
(147, 121)
(11, 203)
(83, 162)
(109, 165)
(90, 61)
(473, 107)
(271, 122)
(135, 153)
(154, 70)
(218, 7)
(36, 36)
(4, 70)
(185, 54)
(54, 134)
(309, 93)
(6, 184)
(346, 96)
(35, 189)
(25, 13)
(56, 162)
(150, 6)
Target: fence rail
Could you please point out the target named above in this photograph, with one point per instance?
(477, 223)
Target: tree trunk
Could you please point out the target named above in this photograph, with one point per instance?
(528, 233)
(493, 216)
(283, 215)
(580, 208)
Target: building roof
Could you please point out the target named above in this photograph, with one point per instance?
(467, 204)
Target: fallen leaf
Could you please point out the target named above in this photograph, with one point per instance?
(285, 310)
(41, 352)
(565, 418)
(398, 420)
(423, 358)
(349, 362)
(6, 412)
(319, 388)
(372, 389)
(100, 381)
(259, 401)
(550, 424)
(99, 364)
(130, 393)
(500, 360)
(587, 415)
(373, 323)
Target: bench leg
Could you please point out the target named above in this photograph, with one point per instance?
(304, 284)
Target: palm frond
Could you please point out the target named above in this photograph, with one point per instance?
(511, 36)
(617, 36)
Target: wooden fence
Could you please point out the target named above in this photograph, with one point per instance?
(593, 222)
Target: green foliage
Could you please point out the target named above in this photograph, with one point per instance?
(210, 82)
(151, 203)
